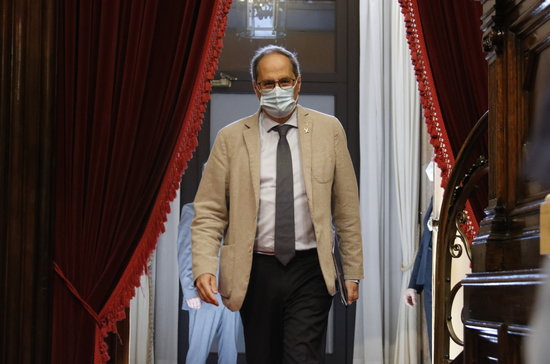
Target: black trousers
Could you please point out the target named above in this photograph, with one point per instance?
(285, 310)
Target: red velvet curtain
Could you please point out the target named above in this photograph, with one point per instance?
(445, 41)
(132, 83)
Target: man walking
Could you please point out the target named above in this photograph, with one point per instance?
(274, 186)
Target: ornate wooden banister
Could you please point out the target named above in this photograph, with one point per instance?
(463, 179)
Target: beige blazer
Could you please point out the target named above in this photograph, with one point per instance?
(227, 201)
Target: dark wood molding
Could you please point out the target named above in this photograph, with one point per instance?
(27, 74)
(512, 214)
(497, 308)
(500, 293)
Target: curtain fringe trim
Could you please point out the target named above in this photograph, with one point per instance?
(114, 309)
(430, 104)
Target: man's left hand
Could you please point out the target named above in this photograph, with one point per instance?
(353, 291)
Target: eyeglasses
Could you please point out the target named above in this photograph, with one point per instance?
(284, 83)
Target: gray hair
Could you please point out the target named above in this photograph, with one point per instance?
(264, 51)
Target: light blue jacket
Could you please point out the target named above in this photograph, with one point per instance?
(184, 257)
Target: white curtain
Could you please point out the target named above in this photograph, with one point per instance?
(406, 125)
(167, 289)
(142, 320)
(154, 309)
(389, 142)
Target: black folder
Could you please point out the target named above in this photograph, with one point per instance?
(340, 282)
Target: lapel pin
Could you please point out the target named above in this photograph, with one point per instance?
(306, 130)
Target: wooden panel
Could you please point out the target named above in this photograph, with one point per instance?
(519, 60)
(515, 35)
(493, 342)
(481, 343)
(500, 293)
(513, 343)
(497, 312)
(26, 178)
(508, 240)
(505, 297)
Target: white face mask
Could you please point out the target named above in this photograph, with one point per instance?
(278, 102)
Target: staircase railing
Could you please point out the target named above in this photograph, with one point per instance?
(464, 178)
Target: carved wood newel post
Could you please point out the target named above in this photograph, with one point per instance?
(499, 293)
(506, 254)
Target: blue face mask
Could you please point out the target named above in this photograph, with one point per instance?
(278, 102)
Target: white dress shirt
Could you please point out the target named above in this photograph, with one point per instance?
(265, 233)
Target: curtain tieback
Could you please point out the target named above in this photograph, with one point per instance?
(408, 267)
(75, 293)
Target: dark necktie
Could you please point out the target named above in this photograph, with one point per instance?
(284, 199)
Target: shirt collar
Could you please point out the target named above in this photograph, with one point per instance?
(267, 123)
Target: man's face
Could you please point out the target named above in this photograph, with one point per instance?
(275, 67)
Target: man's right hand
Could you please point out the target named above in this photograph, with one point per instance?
(207, 288)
